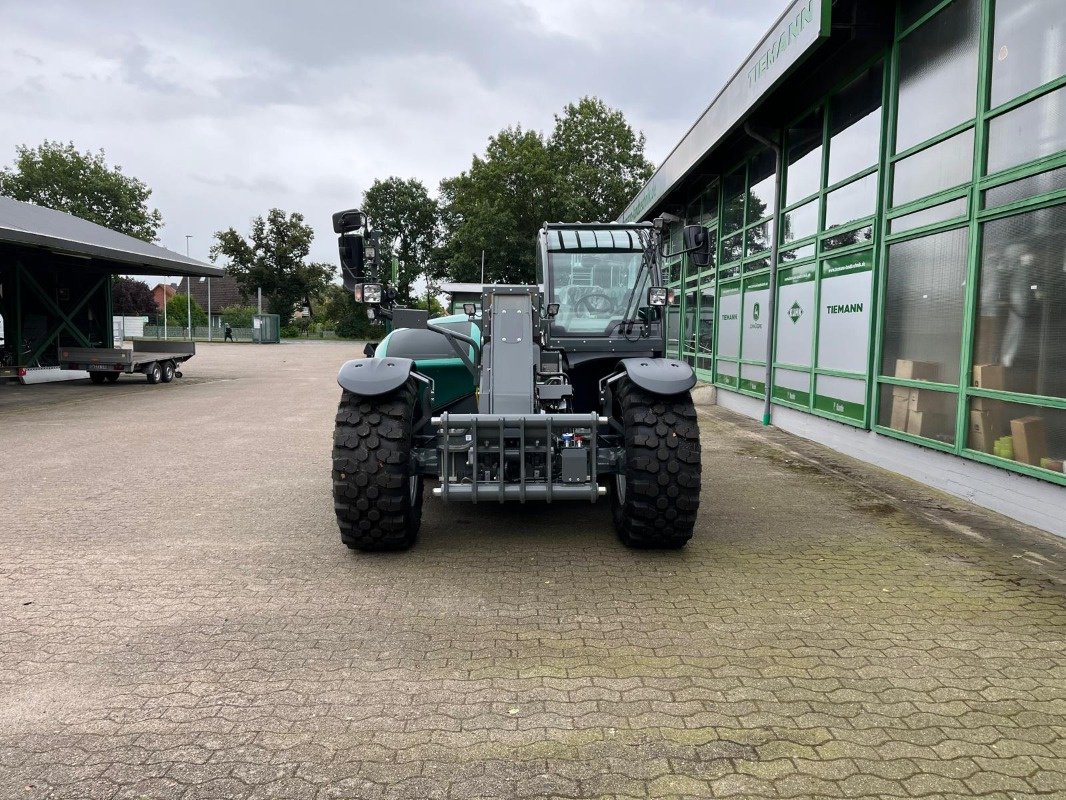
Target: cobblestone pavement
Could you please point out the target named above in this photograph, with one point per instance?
(179, 620)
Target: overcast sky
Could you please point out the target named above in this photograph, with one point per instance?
(227, 109)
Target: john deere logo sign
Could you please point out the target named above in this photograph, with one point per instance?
(795, 312)
(846, 308)
(756, 312)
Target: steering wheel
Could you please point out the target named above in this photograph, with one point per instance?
(601, 306)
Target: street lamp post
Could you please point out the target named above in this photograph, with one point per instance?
(188, 288)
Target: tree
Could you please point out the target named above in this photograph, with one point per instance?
(238, 316)
(599, 160)
(178, 312)
(496, 207)
(57, 176)
(131, 297)
(348, 317)
(273, 258)
(406, 217)
(587, 170)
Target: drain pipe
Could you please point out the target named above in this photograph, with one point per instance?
(779, 172)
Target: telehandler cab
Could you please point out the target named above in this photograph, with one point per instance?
(549, 392)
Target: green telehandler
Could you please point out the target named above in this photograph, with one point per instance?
(549, 392)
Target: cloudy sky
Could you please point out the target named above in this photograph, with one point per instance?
(227, 109)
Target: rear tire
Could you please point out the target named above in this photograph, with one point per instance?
(153, 372)
(376, 492)
(112, 377)
(97, 377)
(168, 371)
(656, 499)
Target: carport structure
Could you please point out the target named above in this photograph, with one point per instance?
(56, 272)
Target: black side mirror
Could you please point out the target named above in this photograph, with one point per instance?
(697, 244)
(351, 220)
(353, 270)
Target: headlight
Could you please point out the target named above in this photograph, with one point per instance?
(657, 296)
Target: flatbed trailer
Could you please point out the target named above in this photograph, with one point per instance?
(158, 361)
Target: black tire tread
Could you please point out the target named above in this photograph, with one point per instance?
(663, 470)
(372, 443)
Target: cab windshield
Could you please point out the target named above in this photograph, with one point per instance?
(596, 290)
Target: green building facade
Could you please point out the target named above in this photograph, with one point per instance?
(919, 208)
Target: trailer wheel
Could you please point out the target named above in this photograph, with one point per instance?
(153, 372)
(377, 493)
(112, 377)
(168, 371)
(97, 377)
(655, 500)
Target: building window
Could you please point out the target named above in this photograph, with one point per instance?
(1028, 47)
(923, 309)
(1021, 311)
(1028, 132)
(1024, 188)
(804, 175)
(938, 74)
(852, 202)
(1023, 433)
(855, 126)
(934, 169)
(762, 180)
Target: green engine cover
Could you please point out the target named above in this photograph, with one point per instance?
(435, 358)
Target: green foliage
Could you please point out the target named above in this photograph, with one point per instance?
(178, 311)
(407, 219)
(55, 175)
(586, 170)
(274, 258)
(238, 316)
(131, 297)
(347, 317)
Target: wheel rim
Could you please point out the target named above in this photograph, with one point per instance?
(620, 487)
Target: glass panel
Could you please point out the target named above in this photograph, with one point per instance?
(800, 222)
(806, 251)
(710, 206)
(919, 412)
(855, 126)
(1027, 434)
(923, 307)
(691, 317)
(732, 247)
(763, 185)
(851, 202)
(1021, 317)
(705, 335)
(864, 234)
(733, 214)
(934, 169)
(938, 74)
(712, 236)
(844, 312)
(729, 272)
(804, 176)
(1027, 46)
(757, 238)
(672, 270)
(927, 216)
(843, 397)
(595, 290)
(1028, 132)
(757, 264)
(1026, 187)
(913, 10)
(673, 331)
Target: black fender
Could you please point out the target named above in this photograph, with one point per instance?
(371, 377)
(662, 376)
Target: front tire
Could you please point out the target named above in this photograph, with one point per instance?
(154, 372)
(112, 377)
(377, 494)
(656, 498)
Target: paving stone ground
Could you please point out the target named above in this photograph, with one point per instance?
(178, 619)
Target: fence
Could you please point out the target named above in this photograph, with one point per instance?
(199, 332)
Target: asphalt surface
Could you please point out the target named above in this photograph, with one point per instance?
(178, 619)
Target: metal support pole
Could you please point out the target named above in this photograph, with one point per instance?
(209, 309)
(166, 284)
(772, 304)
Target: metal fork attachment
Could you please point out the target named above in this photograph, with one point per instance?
(518, 457)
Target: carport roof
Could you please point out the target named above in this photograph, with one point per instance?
(36, 226)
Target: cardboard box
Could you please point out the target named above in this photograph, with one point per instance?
(1054, 464)
(984, 431)
(990, 376)
(928, 400)
(902, 391)
(900, 409)
(917, 370)
(930, 424)
(1030, 439)
(989, 340)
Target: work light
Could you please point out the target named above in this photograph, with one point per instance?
(368, 293)
(658, 296)
(469, 309)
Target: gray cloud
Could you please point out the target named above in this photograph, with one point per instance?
(227, 109)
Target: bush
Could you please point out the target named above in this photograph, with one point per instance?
(238, 316)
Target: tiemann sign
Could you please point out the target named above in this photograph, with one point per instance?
(797, 31)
